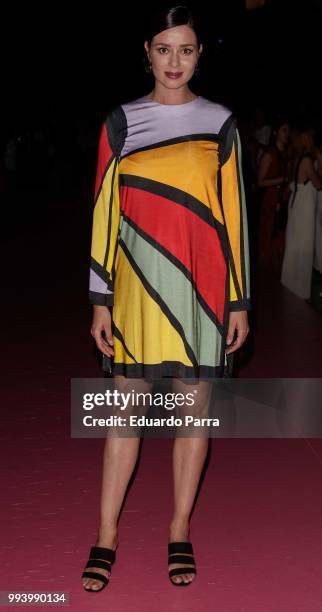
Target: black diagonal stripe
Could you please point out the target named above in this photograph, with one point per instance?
(115, 250)
(226, 137)
(175, 195)
(176, 262)
(101, 272)
(227, 243)
(118, 335)
(158, 299)
(172, 141)
(110, 212)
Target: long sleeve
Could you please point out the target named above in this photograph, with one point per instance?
(106, 220)
(235, 216)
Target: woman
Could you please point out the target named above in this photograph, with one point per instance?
(170, 254)
(273, 180)
(300, 230)
(318, 223)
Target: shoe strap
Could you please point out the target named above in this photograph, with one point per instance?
(95, 576)
(98, 552)
(98, 563)
(181, 570)
(181, 559)
(180, 547)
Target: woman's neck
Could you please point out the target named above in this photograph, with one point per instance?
(164, 95)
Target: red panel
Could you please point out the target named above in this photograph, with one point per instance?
(186, 236)
(104, 155)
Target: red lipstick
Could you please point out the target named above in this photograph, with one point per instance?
(174, 75)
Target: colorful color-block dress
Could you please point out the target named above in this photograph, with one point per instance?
(169, 250)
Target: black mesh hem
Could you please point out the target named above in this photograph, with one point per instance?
(171, 369)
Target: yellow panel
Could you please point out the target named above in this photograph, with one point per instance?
(232, 211)
(120, 354)
(148, 334)
(190, 166)
(233, 294)
(101, 217)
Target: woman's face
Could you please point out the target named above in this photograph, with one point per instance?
(174, 54)
(283, 133)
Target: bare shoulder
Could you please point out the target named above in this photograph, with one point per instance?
(307, 161)
(266, 157)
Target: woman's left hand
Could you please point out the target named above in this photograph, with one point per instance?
(237, 321)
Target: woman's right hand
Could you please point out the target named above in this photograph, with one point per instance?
(102, 324)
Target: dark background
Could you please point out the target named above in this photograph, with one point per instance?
(73, 67)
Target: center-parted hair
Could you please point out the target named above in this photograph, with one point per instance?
(171, 17)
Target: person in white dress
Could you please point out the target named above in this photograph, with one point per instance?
(300, 230)
(318, 225)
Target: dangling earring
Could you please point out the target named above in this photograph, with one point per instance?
(148, 68)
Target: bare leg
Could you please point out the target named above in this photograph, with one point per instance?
(120, 456)
(188, 459)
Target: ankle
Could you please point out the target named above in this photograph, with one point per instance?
(179, 528)
(107, 536)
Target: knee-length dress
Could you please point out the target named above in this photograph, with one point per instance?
(169, 252)
(271, 242)
(317, 262)
(299, 246)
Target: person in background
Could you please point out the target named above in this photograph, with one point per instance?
(262, 133)
(273, 176)
(300, 231)
(318, 221)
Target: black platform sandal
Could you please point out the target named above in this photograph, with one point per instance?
(174, 550)
(102, 558)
